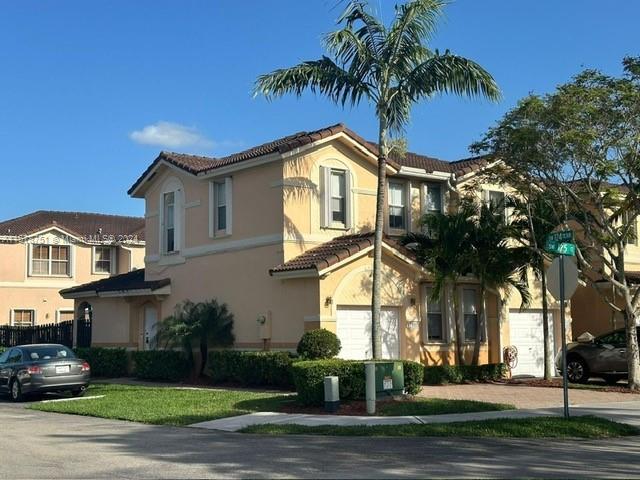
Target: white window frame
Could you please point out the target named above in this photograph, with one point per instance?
(406, 185)
(70, 262)
(425, 192)
(327, 194)
(60, 311)
(443, 313)
(486, 199)
(171, 185)
(461, 314)
(26, 309)
(214, 231)
(112, 260)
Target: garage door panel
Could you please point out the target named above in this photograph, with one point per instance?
(354, 331)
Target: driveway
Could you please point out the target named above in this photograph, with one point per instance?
(48, 445)
(523, 396)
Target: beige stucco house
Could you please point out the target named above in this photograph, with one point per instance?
(46, 251)
(280, 232)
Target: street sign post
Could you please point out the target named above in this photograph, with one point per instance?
(562, 281)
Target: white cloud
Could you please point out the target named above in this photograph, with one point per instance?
(172, 135)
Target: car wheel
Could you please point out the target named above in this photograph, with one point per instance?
(577, 370)
(78, 392)
(15, 391)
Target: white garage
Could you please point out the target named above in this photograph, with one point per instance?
(354, 331)
(526, 335)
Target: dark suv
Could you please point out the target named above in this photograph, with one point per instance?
(604, 356)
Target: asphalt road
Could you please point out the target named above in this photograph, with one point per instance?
(47, 445)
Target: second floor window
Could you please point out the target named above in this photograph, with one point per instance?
(50, 260)
(433, 199)
(397, 206)
(221, 206)
(169, 233)
(496, 200)
(104, 259)
(338, 207)
(336, 200)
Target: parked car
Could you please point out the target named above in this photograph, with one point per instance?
(604, 356)
(42, 368)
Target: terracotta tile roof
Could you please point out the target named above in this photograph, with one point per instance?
(81, 224)
(334, 251)
(133, 280)
(199, 165)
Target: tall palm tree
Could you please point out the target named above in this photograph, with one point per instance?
(392, 68)
(534, 219)
(498, 266)
(444, 248)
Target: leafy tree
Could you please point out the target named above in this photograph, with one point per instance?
(391, 68)
(198, 325)
(581, 145)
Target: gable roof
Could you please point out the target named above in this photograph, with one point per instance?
(132, 282)
(85, 225)
(199, 165)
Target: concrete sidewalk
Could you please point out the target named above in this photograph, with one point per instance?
(623, 412)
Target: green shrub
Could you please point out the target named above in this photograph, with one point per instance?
(167, 365)
(271, 369)
(3, 349)
(319, 344)
(442, 374)
(308, 377)
(105, 362)
(413, 376)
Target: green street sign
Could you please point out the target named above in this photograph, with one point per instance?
(560, 243)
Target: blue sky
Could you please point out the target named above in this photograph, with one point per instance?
(89, 90)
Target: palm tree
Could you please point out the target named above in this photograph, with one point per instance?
(534, 219)
(498, 266)
(444, 248)
(201, 325)
(392, 68)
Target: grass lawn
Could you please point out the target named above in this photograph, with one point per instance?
(438, 406)
(540, 427)
(165, 406)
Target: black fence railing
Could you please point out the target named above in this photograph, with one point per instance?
(61, 333)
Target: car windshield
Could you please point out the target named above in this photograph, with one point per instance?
(48, 352)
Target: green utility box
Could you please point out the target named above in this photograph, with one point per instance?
(389, 378)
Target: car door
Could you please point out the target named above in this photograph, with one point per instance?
(612, 353)
(4, 370)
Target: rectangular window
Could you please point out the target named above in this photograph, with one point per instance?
(338, 196)
(102, 259)
(397, 207)
(169, 222)
(433, 200)
(220, 206)
(470, 312)
(497, 202)
(435, 327)
(65, 315)
(50, 260)
(23, 318)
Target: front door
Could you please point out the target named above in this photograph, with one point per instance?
(150, 328)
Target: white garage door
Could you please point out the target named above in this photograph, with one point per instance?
(354, 332)
(526, 335)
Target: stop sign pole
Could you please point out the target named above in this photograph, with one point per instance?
(562, 244)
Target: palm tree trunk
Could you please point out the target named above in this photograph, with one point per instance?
(546, 333)
(480, 321)
(377, 242)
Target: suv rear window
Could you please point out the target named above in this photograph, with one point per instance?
(48, 352)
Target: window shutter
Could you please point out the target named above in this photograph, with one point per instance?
(348, 217)
(228, 185)
(325, 194)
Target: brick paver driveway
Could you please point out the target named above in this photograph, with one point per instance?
(524, 396)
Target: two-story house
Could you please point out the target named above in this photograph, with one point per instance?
(282, 233)
(46, 251)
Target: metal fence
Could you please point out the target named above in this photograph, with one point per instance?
(62, 333)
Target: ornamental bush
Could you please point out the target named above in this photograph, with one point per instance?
(269, 369)
(319, 344)
(413, 376)
(168, 365)
(443, 374)
(308, 377)
(105, 362)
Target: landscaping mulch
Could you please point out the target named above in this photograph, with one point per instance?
(557, 383)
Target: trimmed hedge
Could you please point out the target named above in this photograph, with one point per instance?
(167, 365)
(272, 369)
(442, 374)
(319, 344)
(105, 362)
(309, 376)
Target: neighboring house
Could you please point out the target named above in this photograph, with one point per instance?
(44, 252)
(281, 233)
